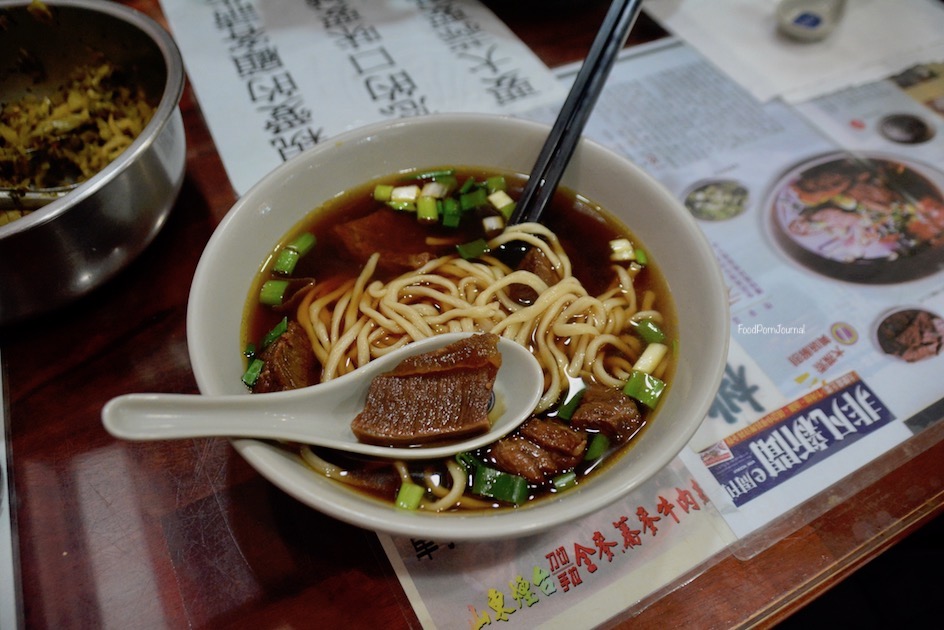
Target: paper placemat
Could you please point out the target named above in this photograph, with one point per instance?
(274, 79)
(874, 39)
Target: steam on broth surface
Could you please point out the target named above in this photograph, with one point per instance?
(367, 273)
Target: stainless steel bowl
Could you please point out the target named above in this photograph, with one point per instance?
(78, 241)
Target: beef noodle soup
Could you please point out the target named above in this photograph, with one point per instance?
(421, 254)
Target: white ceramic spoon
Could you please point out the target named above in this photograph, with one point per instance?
(320, 415)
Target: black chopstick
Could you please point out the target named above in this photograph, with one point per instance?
(557, 150)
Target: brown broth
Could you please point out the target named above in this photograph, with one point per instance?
(583, 228)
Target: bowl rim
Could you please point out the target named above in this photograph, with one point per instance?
(282, 469)
(163, 114)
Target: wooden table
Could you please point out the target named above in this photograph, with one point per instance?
(185, 534)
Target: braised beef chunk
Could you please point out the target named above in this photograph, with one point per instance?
(289, 362)
(541, 449)
(371, 234)
(555, 436)
(609, 411)
(374, 475)
(520, 456)
(471, 353)
(537, 263)
(441, 395)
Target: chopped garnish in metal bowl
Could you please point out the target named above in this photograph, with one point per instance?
(63, 138)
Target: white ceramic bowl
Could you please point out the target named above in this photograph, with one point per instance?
(262, 217)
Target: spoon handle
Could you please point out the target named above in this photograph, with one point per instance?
(175, 416)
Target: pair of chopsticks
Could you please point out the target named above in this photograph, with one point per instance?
(559, 147)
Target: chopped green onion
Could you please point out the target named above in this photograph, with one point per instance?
(273, 292)
(599, 444)
(435, 189)
(410, 495)
(473, 199)
(495, 484)
(473, 249)
(564, 480)
(303, 243)
(650, 331)
(468, 461)
(383, 192)
(622, 250)
(405, 193)
(451, 214)
(467, 185)
(436, 174)
(641, 257)
(275, 333)
(251, 375)
(495, 182)
(493, 225)
(566, 411)
(250, 351)
(651, 357)
(644, 387)
(427, 210)
(403, 206)
(502, 202)
(449, 181)
(285, 262)
(499, 199)
(291, 253)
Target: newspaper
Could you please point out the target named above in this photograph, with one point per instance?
(810, 395)
(799, 321)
